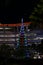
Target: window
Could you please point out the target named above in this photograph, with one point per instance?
(9, 39)
(1, 28)
(7, 35)
(10, 35)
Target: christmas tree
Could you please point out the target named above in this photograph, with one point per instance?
(24, 41)
(23, 38)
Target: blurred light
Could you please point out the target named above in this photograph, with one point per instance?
(28, 39)
(28, 30)
(35, 34)
(7, 35)
(7, 28)
(1, 28)
(35, 57)
(17, 35)
(17, 39)
(39, 57)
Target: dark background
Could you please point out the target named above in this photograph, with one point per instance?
(11, 11)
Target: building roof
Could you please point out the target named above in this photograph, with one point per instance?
(15, 25)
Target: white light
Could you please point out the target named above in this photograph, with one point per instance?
(22, 20)
(7, 35)
(41, 38)
(7, 28)
(1, 28)
(17, 35)
(35, 57)
(37, 38)
(39, 57)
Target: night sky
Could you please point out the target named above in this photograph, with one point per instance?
(11, 11)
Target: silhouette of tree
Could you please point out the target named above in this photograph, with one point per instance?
(37, 15)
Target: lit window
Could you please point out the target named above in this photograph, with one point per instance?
(1, 28)
(9, 35)
(9, 39)
(37, 38)
(7, 28)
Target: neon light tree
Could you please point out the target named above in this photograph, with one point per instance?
(23, 39)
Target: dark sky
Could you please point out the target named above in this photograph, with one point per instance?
(11, 11)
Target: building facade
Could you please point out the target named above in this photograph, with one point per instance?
(10, 33)
(17, 35)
